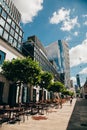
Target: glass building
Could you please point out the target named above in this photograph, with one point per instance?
(78, 80)
(59, 52)
(10, 29)
(33, 48)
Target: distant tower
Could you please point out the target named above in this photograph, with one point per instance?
(78, 80)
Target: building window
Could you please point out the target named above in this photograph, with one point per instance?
(1, 31)
(13, 24)
(7, 27)
(2, 22)
(20, 33)
(10, 39)
(5, 35)
(15, 43)
(17, 29)
(19, 47)
(16, 36)
(4, 14)
(9, 20)
(12, 32)
(20, 40)
(2, 57)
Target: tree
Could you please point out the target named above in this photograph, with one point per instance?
(22, 71)
(56, 87)
(68, 93)
(46, 80)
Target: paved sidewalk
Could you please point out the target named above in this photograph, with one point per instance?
(57, 119)
(78, 120)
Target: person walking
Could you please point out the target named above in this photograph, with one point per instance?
(71, 100)
(60, 102)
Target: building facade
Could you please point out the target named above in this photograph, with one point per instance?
(11, 36)
(33, 48)
(59, 52)
(7, 52)
(10, 29)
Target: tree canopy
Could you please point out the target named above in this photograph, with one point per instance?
(46, 79)
(24, 70)
(56, 87)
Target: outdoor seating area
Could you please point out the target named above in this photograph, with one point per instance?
(11, 115)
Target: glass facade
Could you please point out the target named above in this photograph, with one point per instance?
(59, 52)
(33, 47)
(9, 24)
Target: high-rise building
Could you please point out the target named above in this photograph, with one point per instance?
(59, 52)
(34, 48)
(78, 80)
(10, 29)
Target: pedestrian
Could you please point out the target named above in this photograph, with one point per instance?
(71, 100)
(60, 103)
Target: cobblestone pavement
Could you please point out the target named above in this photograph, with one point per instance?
(57, 119)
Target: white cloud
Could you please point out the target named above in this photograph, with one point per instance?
(63, 16)
(76, 33)
(84, 71)
(85, 23)
(68, 38)
(84, 15)
(28, 9)
(69, 24)
(59, 16)
(78, 54)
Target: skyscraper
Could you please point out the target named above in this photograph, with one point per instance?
(78, 80)
(59, 52)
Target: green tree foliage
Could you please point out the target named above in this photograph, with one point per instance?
(24, 70)
(46, 79)
(56, 87)
(45, 82)
(68, 93)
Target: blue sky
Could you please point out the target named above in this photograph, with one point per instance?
(52, 20)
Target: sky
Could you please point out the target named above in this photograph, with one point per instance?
(52, 20)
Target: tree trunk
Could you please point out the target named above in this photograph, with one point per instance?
(19, 94)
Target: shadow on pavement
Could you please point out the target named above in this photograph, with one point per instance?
(78, 120)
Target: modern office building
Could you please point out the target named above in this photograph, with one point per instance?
(59, 52)
(11, 36)
(33, 48)
(10, 29)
